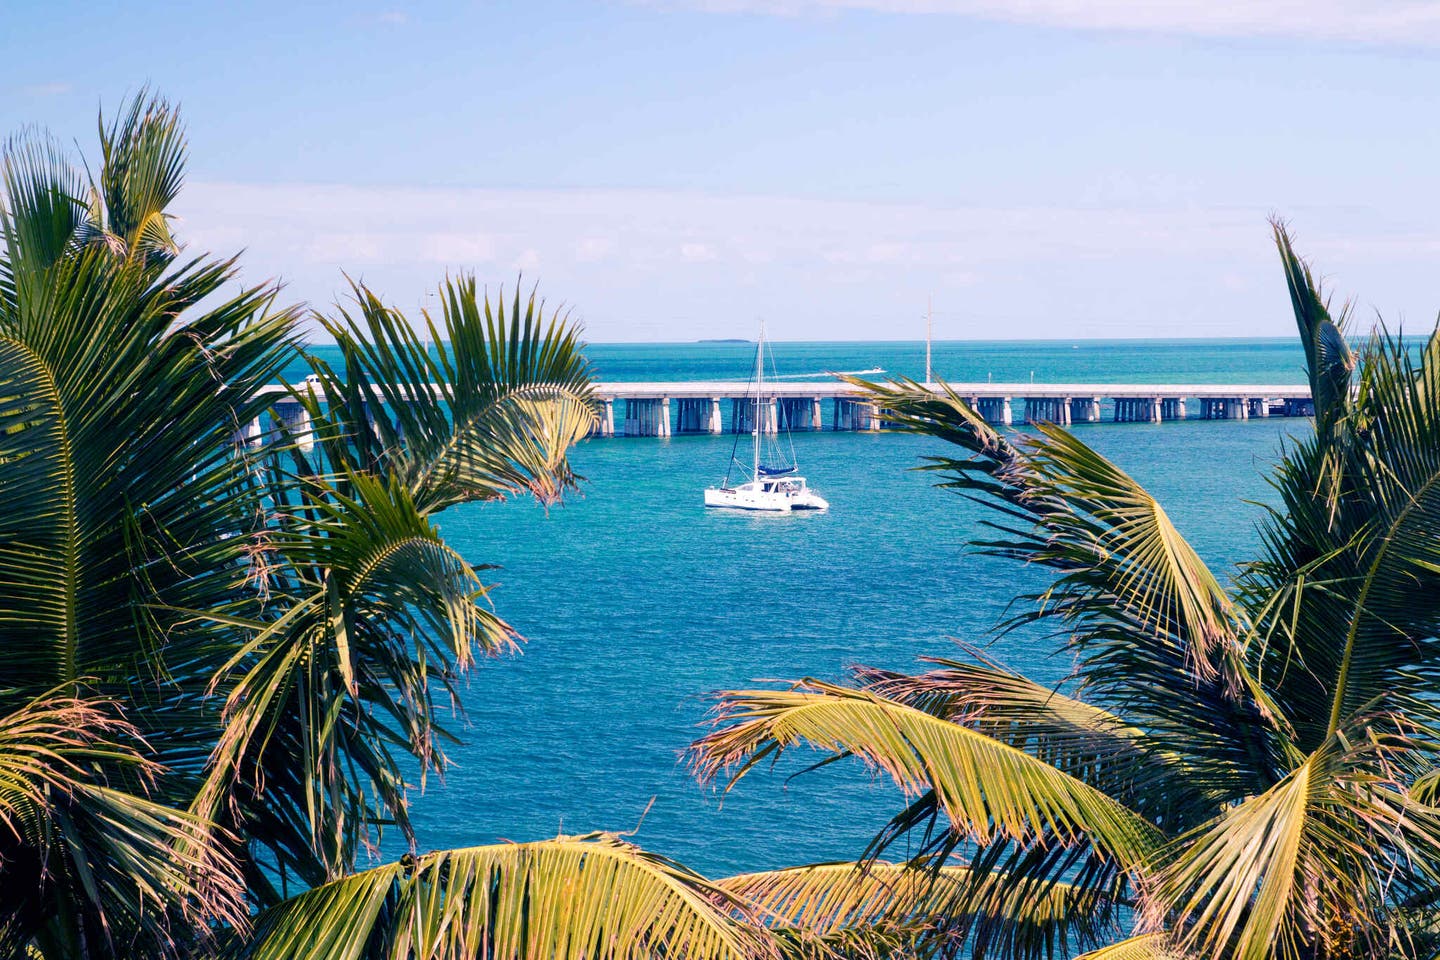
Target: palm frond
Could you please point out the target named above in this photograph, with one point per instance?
(488, 407)
(1328, 361)
(1085, 741)
(1351, 553)
(40, 211)
(378, 616)
(926, 908)
(141, 173)
(139, 872)
(1145, 946)
(590, 897)
(987, 789)
(1155, 634)
(1305, 866)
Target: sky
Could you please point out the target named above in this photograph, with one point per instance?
(678, 169)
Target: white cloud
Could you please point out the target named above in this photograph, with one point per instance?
(820, 268)
(1406, 22)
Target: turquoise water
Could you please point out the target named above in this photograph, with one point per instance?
(1269, 361)
(636, 602)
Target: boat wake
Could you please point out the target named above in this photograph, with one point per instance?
(823, 374)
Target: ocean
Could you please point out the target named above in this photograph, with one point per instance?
(636, 602)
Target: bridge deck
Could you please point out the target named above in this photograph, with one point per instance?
(833, 388)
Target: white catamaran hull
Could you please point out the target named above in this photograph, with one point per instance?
(745, 497)
(771, 489)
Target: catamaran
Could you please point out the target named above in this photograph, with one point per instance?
(771, 488)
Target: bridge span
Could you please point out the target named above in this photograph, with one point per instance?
(667, 409)
(725, 406)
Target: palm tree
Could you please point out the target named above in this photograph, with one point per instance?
(1242, 768)
(222, 649)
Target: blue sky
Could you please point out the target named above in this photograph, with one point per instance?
(676, 169)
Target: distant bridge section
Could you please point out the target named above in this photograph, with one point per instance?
(665, 409)
(727, 406)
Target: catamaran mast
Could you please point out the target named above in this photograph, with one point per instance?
(759, 381)
(927, 339)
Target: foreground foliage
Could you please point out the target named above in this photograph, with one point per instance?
(1235, 769)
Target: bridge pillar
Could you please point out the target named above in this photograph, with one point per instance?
(796, 413)
(742, 414)
(714, 425)
(250, 434)
(1138, 410)
(994, 410)
(852, 415)
(815, 423)
(693, 416)
(1299, 407)
(647, 417)
(607, 419)
(1258, 407)
(1172, 408)
(1048, 410)
(1084, 409)
(295, 420)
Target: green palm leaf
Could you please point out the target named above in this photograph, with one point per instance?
(141, 873)
(1308, 865)
(381, 616)
(489, 407)
(1155, 633)
(141, 173)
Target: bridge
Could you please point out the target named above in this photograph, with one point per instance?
(726, 406)
(667, 409)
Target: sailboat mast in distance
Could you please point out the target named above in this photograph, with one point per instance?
(928, 328)
(771, 489)
(759, 388)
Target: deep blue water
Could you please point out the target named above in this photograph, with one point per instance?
(636, 602)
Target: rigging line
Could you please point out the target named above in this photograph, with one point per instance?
(735, 445)
(789, 434)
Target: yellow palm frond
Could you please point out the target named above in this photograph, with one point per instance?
(986, 788)
(591, 897)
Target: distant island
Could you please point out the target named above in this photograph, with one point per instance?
(726, 340)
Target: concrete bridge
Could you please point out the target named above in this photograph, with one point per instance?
(667, 409)
(670, 409)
